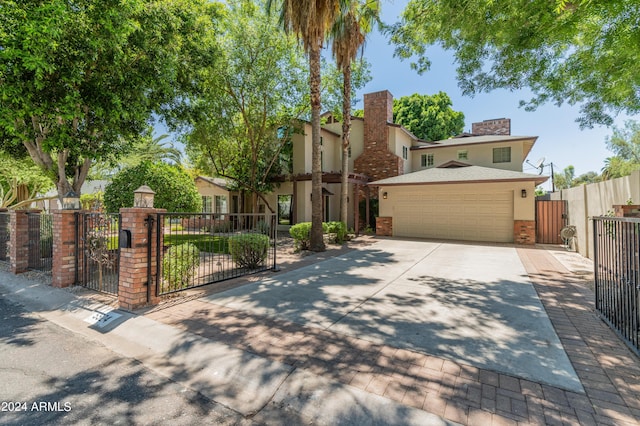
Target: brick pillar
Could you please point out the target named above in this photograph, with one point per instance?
(384, 226)
(132, 286)
(63, 269)
(524, 232)
(19, 241)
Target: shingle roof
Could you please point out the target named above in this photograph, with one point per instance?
(468, 174)
(471, 140)
(221, 182)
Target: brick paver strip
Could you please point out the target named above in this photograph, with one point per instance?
(609, 372)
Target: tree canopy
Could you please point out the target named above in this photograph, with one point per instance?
(252, 94)
(582, 52)
(431, 118)
(625, 144)
(80, 78)
(175, 189)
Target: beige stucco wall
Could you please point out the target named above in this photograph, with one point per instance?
(479, 155)
(397, 140)
(523, 208)
(208, 189)
(587, 201)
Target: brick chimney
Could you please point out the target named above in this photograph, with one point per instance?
(376, 160)
(498, 126)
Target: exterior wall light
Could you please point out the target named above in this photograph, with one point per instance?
(71, 201)
(143, 197)
(523, 193)
(384, 195)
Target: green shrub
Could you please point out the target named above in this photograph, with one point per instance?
(337, 232)
(179, 265)
(249, 250)
(263, 227)
(301, 234)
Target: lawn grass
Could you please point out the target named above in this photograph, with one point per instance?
(205, 242)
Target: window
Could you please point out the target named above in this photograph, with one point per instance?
(285, 207)
(349, 151)
(221, 204)
(206, 204)
(321, 141)
(463, 154)
(426, 160)
(502, 155)
(405, 152)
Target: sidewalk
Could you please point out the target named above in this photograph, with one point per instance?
(266, 368)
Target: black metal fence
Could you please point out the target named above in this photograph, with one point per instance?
(97, 251)
(617, 280)
(5, 236)
(203, 248)
(40, 230)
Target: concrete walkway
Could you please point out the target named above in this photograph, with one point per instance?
(300, 346)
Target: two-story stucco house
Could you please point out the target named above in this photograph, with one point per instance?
(466, 188)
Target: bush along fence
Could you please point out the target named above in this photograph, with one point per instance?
(617, 275)
(139, 254)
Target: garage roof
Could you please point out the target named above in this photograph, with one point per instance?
(459, 174)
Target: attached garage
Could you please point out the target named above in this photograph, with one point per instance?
(469, 203)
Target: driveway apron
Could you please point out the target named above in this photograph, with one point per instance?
(473, 304)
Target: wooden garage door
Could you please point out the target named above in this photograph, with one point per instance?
(455, 215)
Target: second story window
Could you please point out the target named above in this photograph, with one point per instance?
(426, 160)
(463, 154)
(405, 152)
(502, 155)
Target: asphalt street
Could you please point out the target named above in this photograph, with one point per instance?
(49, 375)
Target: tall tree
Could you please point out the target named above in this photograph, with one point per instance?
(252, 97)
(565, 179)
(579, 52)
(431, 118)
(80, 78)
(625, 144)
(310, 20)
(349, 34)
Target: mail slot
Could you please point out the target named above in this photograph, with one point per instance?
(124, 240)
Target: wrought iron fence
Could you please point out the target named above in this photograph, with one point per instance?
(97, 251)
(617, 280)
(5, 236)
(40, 230)
(203, 248)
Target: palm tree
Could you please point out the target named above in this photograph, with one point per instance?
(349, 34)
(310, 20)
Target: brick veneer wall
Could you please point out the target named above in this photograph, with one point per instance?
(133, 276)
(63, 270)
(376, 161)
(384, 226)
(524, 232)
(500, 126)
(19, 241)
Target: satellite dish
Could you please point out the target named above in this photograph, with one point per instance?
(539, 163)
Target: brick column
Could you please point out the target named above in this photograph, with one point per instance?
(63, 270)
(19, 241)
(384, 226)
(132, 286)
(524, 232)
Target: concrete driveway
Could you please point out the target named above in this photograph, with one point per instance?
(473, 304)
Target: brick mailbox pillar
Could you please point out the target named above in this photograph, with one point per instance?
(19, 241)
(135, 290)
(63, 269)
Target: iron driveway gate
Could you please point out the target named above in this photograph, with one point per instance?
(97, 251)
(617, 275)
(196, 249)
(40, 230)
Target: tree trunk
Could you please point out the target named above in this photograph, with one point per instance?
(346, 134)
(317, 241)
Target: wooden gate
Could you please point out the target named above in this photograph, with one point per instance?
(551, 217)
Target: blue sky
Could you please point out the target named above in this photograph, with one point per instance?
(560, 139)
